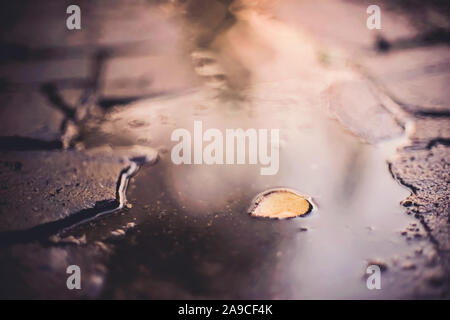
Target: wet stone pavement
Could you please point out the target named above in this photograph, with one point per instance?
(86, 176)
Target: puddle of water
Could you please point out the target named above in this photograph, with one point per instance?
(193, 230)
(192, 236)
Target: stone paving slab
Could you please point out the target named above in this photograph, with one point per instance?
(44, 186)
(416, 78)
(428, 132)
(341, 25)
(150, 75)
(38, 72)
(351, 102)
(29, 115)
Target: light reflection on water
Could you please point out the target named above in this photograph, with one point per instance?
(193, 234)
(194, 217)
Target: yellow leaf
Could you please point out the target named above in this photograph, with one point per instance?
(280, 204)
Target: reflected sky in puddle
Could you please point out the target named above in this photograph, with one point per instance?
(193, 232)
(193, 236)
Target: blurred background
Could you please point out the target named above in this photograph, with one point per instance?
(365, 126)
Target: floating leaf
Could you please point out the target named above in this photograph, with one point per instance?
(280, 204)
